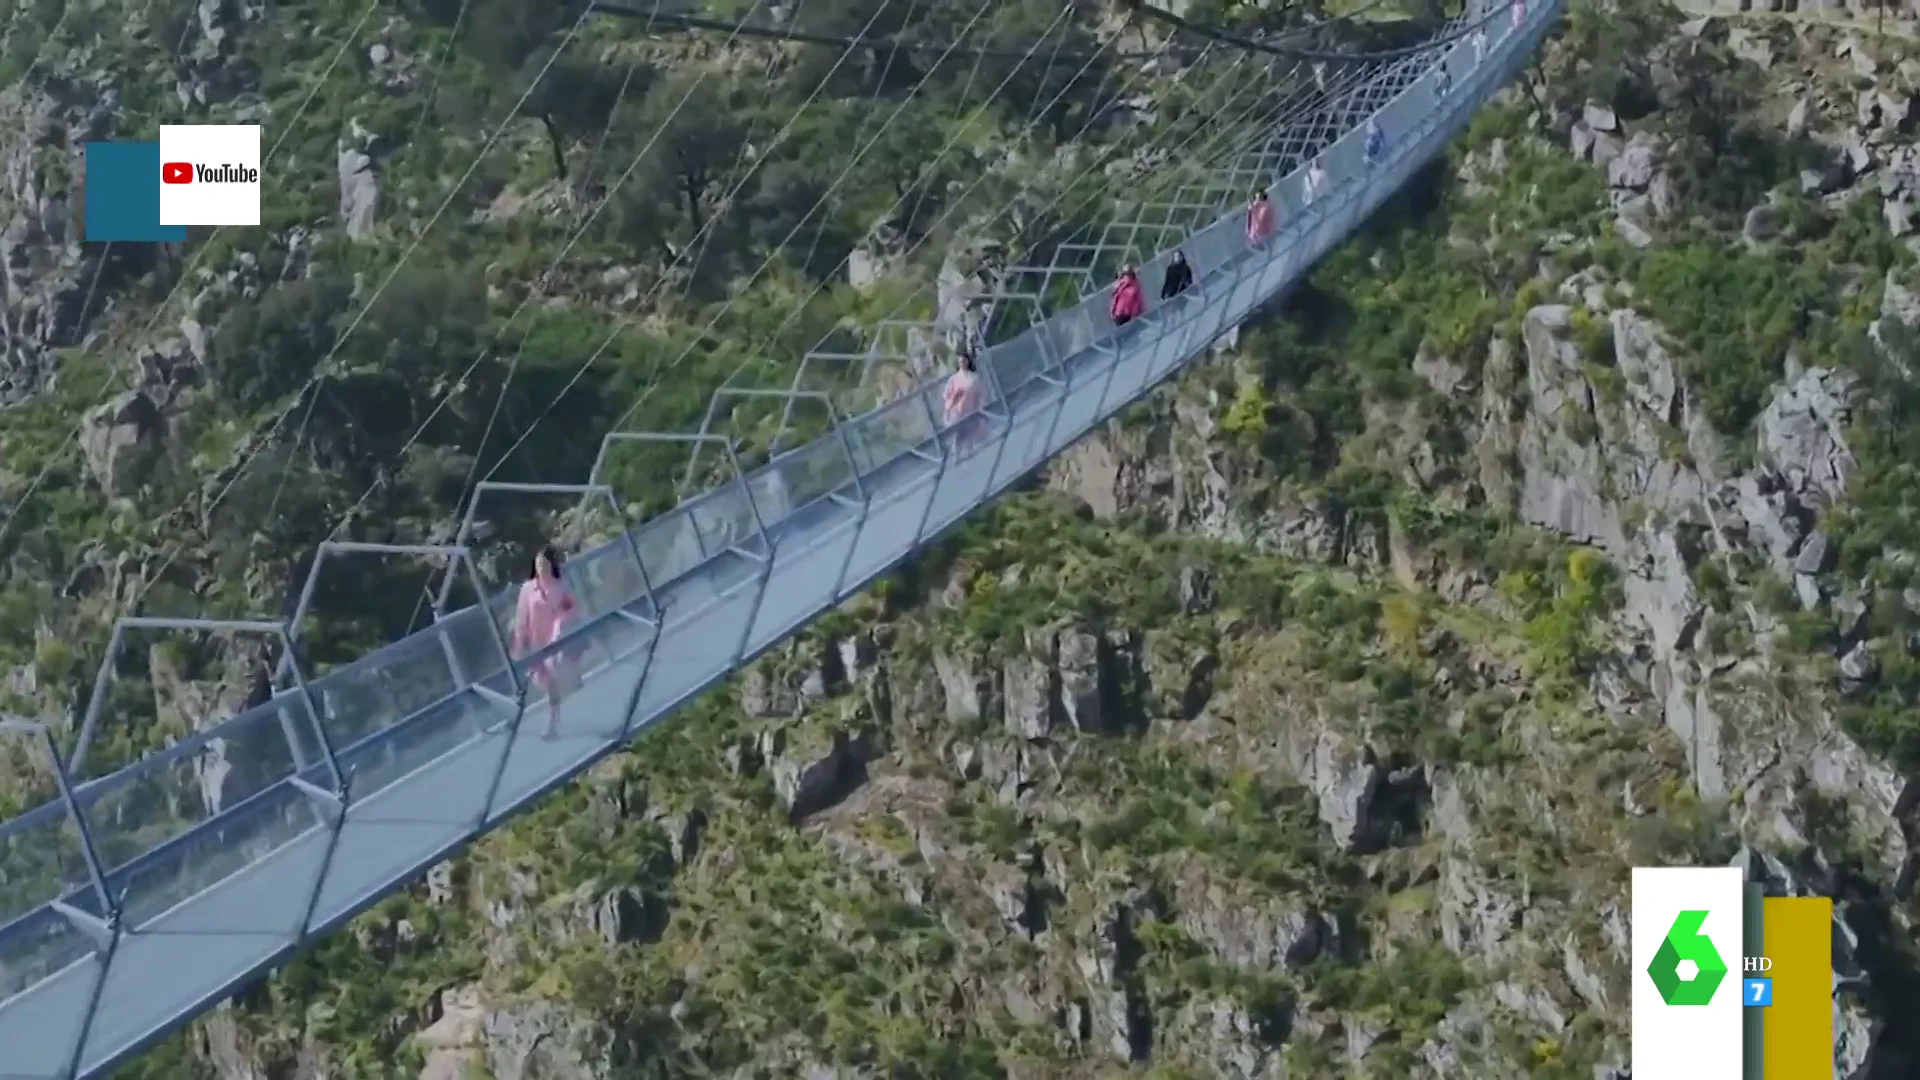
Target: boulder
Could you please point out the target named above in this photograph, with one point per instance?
(122, 441)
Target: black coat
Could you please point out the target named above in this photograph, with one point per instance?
(1178, 278)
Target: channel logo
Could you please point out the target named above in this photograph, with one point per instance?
(194, 174)
(210, 174)
(1687, 1024)
(179, 172)
(1687, 969)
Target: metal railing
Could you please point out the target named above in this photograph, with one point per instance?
(131, 902)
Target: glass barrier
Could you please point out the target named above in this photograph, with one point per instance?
(883, 435)
(38, 944)
(1018, 361)
(40, 860)
(139, 808)
(166, 876)
(725, 517)
(369, 696)
(606, 579)
(670, 545)
(800, 476)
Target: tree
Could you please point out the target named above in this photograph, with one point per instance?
(694, 147)
(265, 350)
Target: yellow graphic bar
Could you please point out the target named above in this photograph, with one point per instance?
(1798, 1018)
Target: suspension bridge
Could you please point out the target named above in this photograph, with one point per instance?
(135, 900)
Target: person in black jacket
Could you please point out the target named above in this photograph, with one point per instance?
(1178, 278)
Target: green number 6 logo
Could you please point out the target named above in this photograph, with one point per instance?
(1686, 944)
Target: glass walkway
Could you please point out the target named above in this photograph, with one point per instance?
(134, 901)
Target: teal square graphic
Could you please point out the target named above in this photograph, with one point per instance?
(123, 195)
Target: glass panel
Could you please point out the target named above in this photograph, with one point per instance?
(157, 886)
(1017, 362)
(800, 476)
(369, 696)
(40, 859)
(669, 546)
(880, 437)
(139, 808)
(603, 580)
(724, 516)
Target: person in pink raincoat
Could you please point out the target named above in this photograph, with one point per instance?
(1519, 13)
(1128, 301)
(545, 608)
(962, 400)
(1259, 218)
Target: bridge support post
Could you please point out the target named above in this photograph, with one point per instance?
(455, 555)
(333, 806)
(689, 510)
(940, 473)
(775, 468)
(83, 832)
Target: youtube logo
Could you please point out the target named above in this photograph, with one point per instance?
(209, 174)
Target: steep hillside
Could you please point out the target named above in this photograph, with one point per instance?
(1304, 723)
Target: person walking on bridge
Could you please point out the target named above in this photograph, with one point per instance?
(1316, 182)
(964, 396)
(1442, 81)
(540, 618)
(1479, 46)
(1259, 219)
(1128, 302)
(1375, 144)
(1178, 278)
(1519, 13)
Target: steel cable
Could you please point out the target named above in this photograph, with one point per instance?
(1102, 188)
(719, 316)
(1319, 95)
(607, 342)
(199, 254)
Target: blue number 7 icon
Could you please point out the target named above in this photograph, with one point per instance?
(1757, 993)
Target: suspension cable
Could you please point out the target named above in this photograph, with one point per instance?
(711, 223)
(1227, 37)
(467, 485)
(199, 255)
(1102, 188)
(321, 368)
(846, 171)
(1356, 76)
(694, 23)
